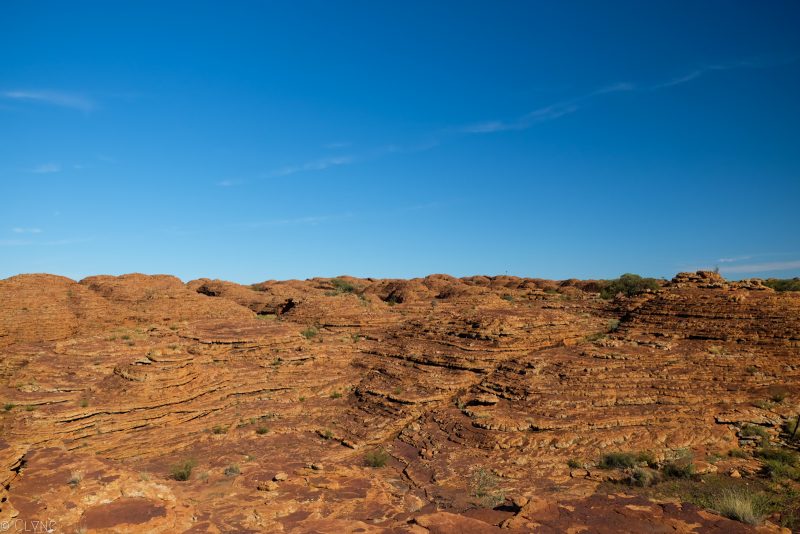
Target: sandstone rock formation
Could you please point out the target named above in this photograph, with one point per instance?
(269, 397)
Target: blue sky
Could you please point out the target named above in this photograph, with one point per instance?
(254, 140)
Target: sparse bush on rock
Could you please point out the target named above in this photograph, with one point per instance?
(183, 470)
(376, 458)
(342, 286)
(310, 332)
(629, 285)
(232, 470)
(618, 460)
(484, 486)
(741, 504)
(783, 284)
(644, 477)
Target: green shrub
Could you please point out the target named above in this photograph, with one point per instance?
(783, 284)
(679, 469)
(778, 470)
(629, 285)
(219, 429)
(778, 396)
(376, 458)
(618, 460)
(645, 477)
(751, 431)
(262, 430)
(232, 470)
(790, 427)
(336, 395)
(648, 458)
(737, 453)
(574, 464)
(742, 505)
(484, 486)
(75, 478)
(508, 298)
(775, 454)
(310, 332)
(342, 286)
(9, 406)
(183, 470)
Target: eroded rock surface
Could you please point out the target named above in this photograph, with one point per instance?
(273, 394)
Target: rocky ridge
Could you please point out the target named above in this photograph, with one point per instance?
(275, 392)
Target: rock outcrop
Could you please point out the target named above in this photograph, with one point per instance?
(361, 405)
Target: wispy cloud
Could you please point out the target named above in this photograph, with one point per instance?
(524, 122)
(228, 183)
(540, 115)
(26, 230)
(546, 113)
(313, 220)
(707, 69)
(307, 220)
(698, 72)
(317, 165)
(31, 242)
(734, 259)
(567, 107)
(338, 144)
(422, 206)
(46, 168)
(338, 161)
(53, 98)
(761, 267)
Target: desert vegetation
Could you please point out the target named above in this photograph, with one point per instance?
(629, 285)
(310, 332)
(376, 458)
(783, 284)
(484, 486)
(232, 470)
(182, 471)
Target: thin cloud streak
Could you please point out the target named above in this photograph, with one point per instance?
(697, 73)
(317, 165)
(524, 122)
(733, 260)
(761, 267)
(567, 107)
(26, 230)
(53, 98)
(544, 114)
(327, 163)
(30, 242)
(46, 168)
(706, 69)
(313, 220)
(308, 220)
